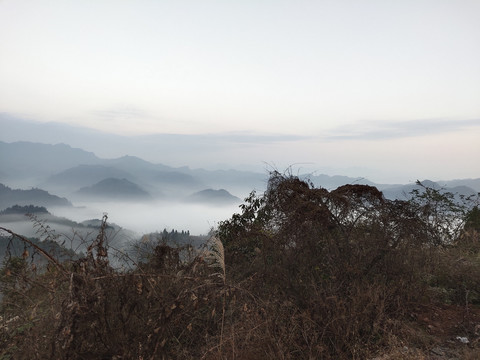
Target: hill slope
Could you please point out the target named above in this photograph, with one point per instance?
(211, 196)
(10, 197)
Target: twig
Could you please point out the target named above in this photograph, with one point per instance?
(39, 249)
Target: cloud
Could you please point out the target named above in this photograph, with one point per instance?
(384, 130)
(122, 113)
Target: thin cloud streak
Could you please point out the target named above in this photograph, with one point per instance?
(220, 140)
(121, 113)
(376, 130)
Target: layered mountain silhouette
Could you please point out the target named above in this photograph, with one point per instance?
(211, 196)
(64, 170)
(24, 165)
(115, 189)
(83, 175)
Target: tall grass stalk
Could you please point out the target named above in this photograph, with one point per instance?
(217, 256)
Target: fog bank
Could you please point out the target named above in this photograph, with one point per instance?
(145, 218)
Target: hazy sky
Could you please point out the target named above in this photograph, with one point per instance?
(389, 85)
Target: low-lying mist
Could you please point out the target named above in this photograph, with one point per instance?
(144, 218)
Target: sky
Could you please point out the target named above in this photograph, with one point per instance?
(390, 89)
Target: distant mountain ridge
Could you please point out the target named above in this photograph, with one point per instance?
(179, 149)
(29, 160)
(403, 192)
(65, 170)
(471, 183)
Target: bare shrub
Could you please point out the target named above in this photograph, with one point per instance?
(347, 262)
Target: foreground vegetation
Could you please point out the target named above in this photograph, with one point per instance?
(300, 273)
